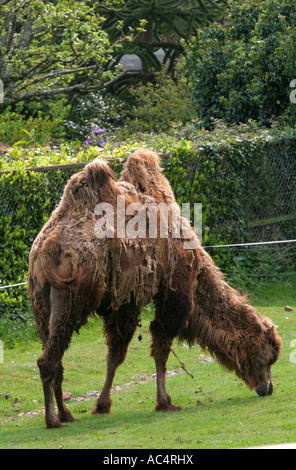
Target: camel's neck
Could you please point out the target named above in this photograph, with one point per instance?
(228, 332)
(221, 321)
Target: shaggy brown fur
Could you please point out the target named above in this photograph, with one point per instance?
(232, 330)
(143, 171)
(73, 273)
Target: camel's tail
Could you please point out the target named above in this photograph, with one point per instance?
(51, 262)
(58, 266)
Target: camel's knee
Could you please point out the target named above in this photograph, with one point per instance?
(59, 375)
(46, 369)
(161, 344)
(117, 354)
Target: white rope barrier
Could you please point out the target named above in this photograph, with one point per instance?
(205, 247)
(14, 285)
(250, 244)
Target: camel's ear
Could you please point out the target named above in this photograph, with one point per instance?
(98, 173)
(270, 332)
(275, 342)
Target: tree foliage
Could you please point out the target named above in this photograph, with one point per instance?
(166, 23)
(242, 69)
(52, 47)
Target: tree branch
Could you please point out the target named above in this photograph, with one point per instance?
(46, 93)
(45, 43)
(3, 2)
(54, 74)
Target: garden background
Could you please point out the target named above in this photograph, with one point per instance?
(210, 85)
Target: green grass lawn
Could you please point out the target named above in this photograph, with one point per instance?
(219, 411)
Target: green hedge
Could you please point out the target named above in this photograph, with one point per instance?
(230, 177)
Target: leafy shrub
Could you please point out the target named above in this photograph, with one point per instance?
(16, 322)
(40, 128)
(160, 104)
(94, 110)
(96, 138)
(242, 69)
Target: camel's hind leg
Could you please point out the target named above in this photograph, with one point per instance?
(61, 327)
(119, 327)
(160, 350)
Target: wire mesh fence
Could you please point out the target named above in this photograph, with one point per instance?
(265, 204)
(271, 196)
(265, 209)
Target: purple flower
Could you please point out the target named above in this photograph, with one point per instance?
(88, 140)
(93, 138)
(98, 131)
(101, 143)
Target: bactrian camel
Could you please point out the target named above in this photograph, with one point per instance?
(74, 271)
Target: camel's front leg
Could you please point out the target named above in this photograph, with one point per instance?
(103, 403)
(160, 350)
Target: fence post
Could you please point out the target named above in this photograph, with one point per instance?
(1, 92)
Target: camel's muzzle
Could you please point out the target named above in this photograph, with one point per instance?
(265, 389)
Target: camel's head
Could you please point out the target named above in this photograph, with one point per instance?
(257, 372)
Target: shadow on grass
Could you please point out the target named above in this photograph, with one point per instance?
(131, 427)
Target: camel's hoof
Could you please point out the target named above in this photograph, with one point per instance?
(168, 407)
(55, 424)
(101, 409)
(67, 418)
